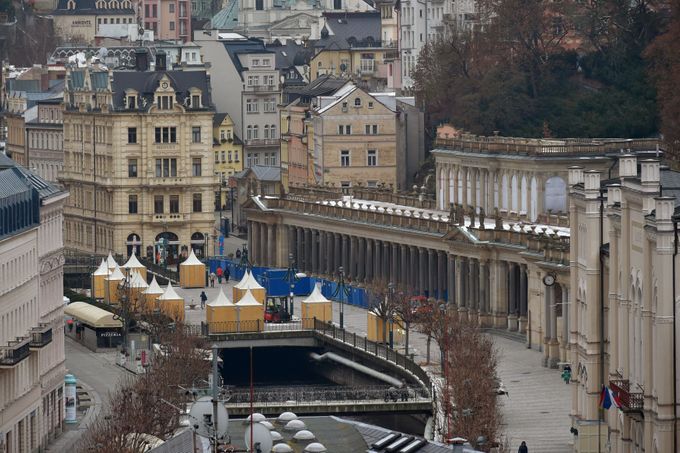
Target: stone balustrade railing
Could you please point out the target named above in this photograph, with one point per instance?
(546, 147)
(416, 201)
(538, 239)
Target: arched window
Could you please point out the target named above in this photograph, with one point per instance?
(555, 194)
(272, 131)
(266, 131)
(357, 102)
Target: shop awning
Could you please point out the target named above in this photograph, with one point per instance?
(91, 315)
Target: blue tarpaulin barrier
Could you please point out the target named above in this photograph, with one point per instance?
(275, 282)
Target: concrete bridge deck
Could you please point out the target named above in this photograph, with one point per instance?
(363, 407)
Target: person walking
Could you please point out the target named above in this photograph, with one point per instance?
(523, 448)
(226, 274)
(219, 275)
(204, 298)
(212, 279)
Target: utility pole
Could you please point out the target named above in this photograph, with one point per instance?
(215, 402)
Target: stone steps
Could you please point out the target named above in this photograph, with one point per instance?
(514, 336)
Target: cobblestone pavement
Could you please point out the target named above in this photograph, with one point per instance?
(536, 409)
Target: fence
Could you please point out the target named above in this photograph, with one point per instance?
(276, 284)
(257, 325)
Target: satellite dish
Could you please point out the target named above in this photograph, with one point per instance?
(201, 418)
(261, 438)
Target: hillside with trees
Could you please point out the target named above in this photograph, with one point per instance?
(554, 69)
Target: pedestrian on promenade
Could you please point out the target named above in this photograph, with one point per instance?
(523, 448)
(204, 298)
(238, 253)
(219, 275)
(212, 279)
(226, 274)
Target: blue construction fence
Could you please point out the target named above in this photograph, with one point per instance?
(275, 282)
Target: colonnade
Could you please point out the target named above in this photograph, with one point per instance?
(512, 190)
(491, 290)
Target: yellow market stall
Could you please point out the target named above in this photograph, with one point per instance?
(137, 287)
(317, 306)
(171, 304)
(151, 294)
(192, 272)
(110, 262)
(220, 314)
(249, 314)
(379, 330)
(112, 281)
(248, 283)
(99, 280)
(134, 265)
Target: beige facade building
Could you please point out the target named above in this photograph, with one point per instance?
(45, 139)
(354, 140)
(79, 21)
(31, 310)
(138, 160)
(624, 304)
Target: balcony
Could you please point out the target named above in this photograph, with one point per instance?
(15, 351)
(262, 142)
(263, 88)
(630, 401)
(40, 337)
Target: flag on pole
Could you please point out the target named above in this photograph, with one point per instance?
(608, 398)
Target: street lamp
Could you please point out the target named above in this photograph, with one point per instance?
(292, 277)
(343, 291)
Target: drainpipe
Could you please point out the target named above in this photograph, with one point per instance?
(601, 272)
(675, 365)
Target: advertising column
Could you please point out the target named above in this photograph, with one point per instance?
(69, 399)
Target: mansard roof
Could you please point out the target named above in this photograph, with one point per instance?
(89, 8)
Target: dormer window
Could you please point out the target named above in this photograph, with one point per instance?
(195, 98)
(101, 4)
(71, 4)
(127, 4)
(164, 102)
(132, 102)
(357, 102)
(113, 4)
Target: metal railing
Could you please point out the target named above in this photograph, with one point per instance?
(318, 395)
(16, 351)
(324, 330)
(40, 337)
(630, 401)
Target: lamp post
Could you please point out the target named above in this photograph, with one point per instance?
(342, 291)
(292, 278)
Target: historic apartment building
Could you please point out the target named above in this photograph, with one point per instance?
(360, 138)
(228, 152)
(79, 21)
(248, 87)
(624, 275)
(45, 139)
(138, 159)
(31, 310)
(169, 19)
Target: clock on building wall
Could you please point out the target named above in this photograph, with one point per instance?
(549, 279)
(164, 85)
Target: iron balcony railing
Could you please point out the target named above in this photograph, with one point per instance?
(15, 351)
(40, 336)
(630, 401)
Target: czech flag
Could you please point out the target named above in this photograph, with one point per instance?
(608, 398)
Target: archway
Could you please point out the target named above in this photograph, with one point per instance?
(198, 244)
(133, 244)
(555, 195)
(167, 248)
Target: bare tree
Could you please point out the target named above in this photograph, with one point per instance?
(143, 406)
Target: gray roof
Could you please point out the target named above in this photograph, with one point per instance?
(89, 8)
(262, 173)
(360, 29)
(225, 19)
(27, 179)
(244, 47)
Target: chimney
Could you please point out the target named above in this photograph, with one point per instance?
(141, 59)
(650, 171)
(161, 61)
(591, 183)
(628, 165)
(575, 175)
(665, 206)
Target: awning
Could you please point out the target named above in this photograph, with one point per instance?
(91, 315)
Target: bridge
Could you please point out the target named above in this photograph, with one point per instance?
(331, 401)
(406, 388)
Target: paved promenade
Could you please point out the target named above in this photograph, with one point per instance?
(536, 409)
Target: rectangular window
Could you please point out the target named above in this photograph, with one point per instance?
(166, 135)
(235, 156)
(174, 204)
(132, 168)
(229, 156)
(265, 62)
(154, 10)
(166, 168)
(196, 166)
(198, 202)
(171, 8)
(132, 102)
(256, 62)
(132, 204)
(217, 157)
(273, 160)
(344, 158)
(158, 204)
(172, 26)
(223, 157)
(132, 135)
(196, 134)
(372, 157)
(372, 184)
(251, 105)
(270, 105)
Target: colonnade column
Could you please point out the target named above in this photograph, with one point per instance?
(337, 254)
(422, 268)
(512, 297)
(315, 253)
(385, 265)
(554, 354)
(350, 271)
(483, 293)
(450, 279)
(361, 265)
(548, 303)
(465, 187)
(345, 253)
(250, 236)
(394, 277)
(460, 301)
(377, 260)
(403, 267)
(369, 259)
(271, 245)
(413, 275)
(430, 273)
(523, 298)
(456, 195)
(564, 344)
